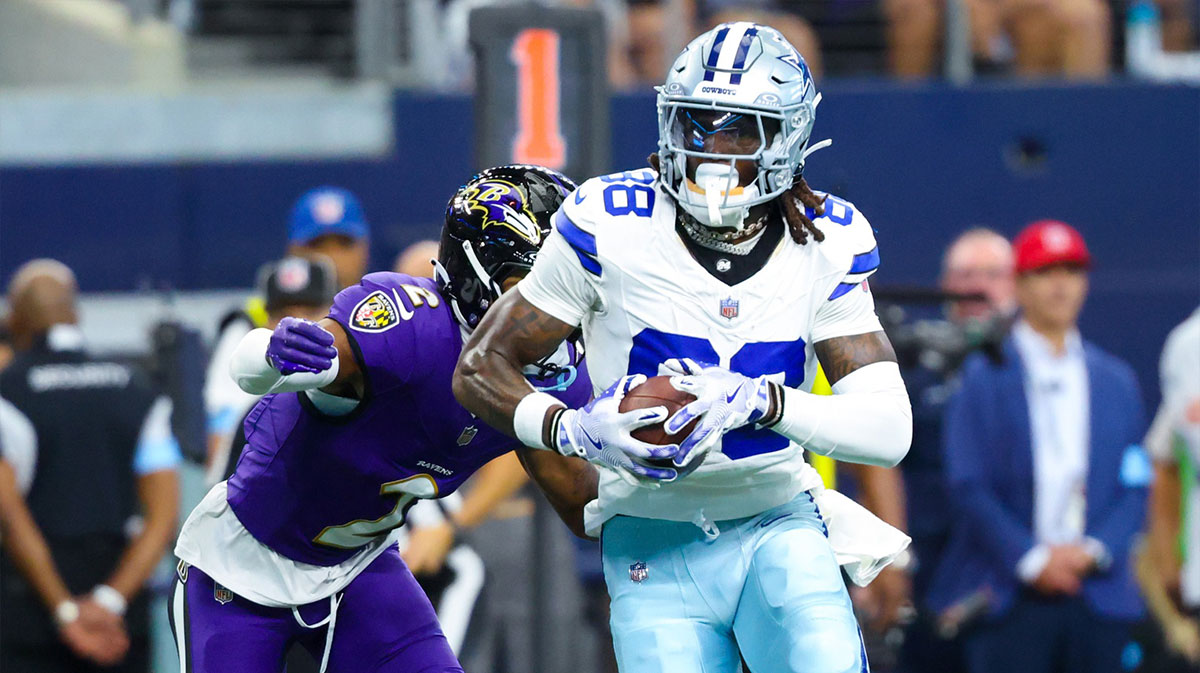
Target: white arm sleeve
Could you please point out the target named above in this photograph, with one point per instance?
(249, 367)
(868, 419)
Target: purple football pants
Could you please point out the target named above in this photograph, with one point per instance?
(384, 623)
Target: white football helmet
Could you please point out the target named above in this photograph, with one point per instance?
(746, 82)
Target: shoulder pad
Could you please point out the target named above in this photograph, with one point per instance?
(630, 193)
(382, 300)
(578, 206)
(849, 242)
(419, 290)
(385, 279)
(614, 195)
(641, 176)
(843, 223)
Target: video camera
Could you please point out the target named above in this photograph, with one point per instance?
(936, 344)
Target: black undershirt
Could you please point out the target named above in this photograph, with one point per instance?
(737, 268)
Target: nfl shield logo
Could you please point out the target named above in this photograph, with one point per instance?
(729, 308)
(638, 571)
(221, 594)
(467, 435)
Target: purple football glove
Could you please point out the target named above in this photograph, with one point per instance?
(300, 346)
(600, 433)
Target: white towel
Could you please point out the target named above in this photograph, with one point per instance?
(862, 543)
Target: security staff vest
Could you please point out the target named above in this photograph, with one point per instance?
(88, 416)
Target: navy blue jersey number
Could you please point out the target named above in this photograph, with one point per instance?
(629, 192)
(783, 361)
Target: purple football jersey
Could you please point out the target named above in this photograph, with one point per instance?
(316, 488)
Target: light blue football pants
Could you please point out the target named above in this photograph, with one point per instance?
(767, 586)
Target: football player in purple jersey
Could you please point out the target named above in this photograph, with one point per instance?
(357, 423)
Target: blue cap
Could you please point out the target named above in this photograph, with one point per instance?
(326, 210)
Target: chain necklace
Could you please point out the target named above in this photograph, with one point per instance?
(722, 241)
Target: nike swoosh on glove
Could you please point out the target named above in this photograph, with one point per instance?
(724, 401)
(300, 346)
(600, 433)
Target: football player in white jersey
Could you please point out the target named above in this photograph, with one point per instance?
(722, 268)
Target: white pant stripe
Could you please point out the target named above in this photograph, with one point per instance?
(458, 600)
(179, 613)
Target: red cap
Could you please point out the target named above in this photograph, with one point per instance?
(1048, 242)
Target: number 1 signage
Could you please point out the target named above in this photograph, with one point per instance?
(539, 134)
(541, 88)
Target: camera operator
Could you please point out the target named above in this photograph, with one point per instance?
(979, 263)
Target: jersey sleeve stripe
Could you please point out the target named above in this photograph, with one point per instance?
(578, 238)
(842, 289)
(590, 264)
(857, 277)
(582, 243)
(867, 261)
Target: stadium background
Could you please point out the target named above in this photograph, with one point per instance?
(166, 195)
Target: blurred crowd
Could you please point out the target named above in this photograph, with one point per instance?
(904, 38)
(1053, 527)
(1069, 38)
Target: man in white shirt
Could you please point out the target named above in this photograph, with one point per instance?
(1048, 480)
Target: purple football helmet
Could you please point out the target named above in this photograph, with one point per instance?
(495, 224)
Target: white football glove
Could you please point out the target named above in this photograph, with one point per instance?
(599, 433)
(724, 401)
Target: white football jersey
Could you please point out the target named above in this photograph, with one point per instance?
(616, 265)
(1174, 436)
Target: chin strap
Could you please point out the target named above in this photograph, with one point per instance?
(481, 272)
(442, 277)
(443, 280)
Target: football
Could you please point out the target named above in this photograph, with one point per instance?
(658, 392)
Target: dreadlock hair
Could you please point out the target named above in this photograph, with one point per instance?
(800, 194)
